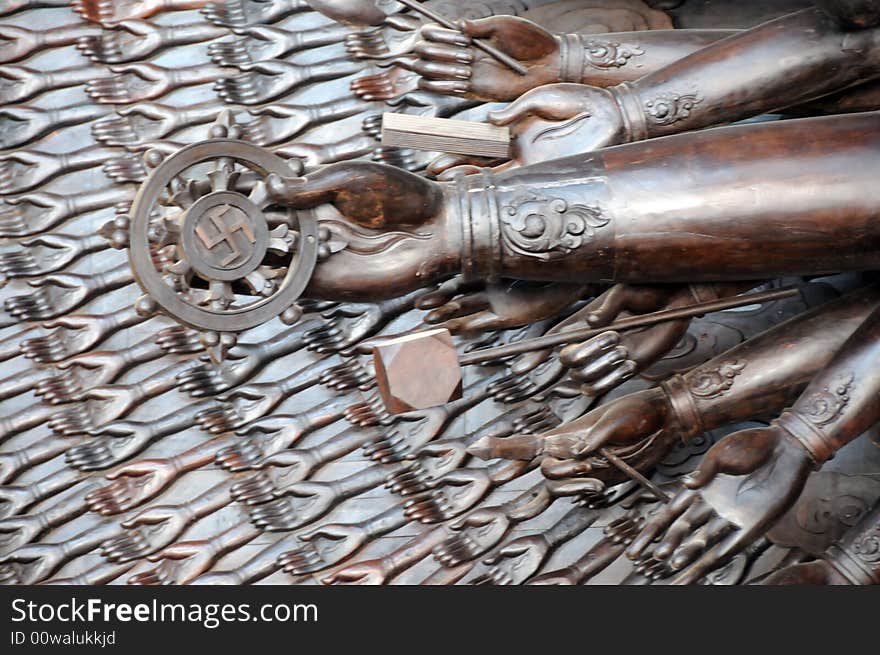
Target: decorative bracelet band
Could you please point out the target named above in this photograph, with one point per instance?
(464, 220)
(634, 119)
(684, 407)
(820, 446)
(852, 568)
(571, 50)
(480, 233)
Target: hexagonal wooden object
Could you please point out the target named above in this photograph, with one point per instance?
(417, 371)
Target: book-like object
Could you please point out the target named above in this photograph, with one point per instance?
(445, 135)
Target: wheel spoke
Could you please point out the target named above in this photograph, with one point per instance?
(259, 195)
(221, 294)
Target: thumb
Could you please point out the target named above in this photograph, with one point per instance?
(608, 306)
(68, 321)
(484, 321)
(709, 468)
(311, 534)
(520, 108)
(299, 192)
(265, 67)
(521, 447)
(574, 486)
(481, 27)
(512, 550)
(174, 551)
(136, 27)
(137, 69)
(516, 36)
(373, 195)
(135, 468)
(600, 435)
(57, 280)
(276, 111)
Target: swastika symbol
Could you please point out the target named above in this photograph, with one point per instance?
(224, 231)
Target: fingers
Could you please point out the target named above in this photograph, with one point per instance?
(659, 522)
(717, 555)
(703, 538)
(443, 52)
(599, 364)
(438, 34)
(591, 361)
(462, 306)
(444, 87)
(693, 518)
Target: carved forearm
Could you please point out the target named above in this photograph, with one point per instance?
(780, 63)
(841, 402)
(606, 59)
(738, 203)
(763, 374)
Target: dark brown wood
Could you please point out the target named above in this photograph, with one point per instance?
(749, 479)
(406, 375)
(602, 219)
(752, 380)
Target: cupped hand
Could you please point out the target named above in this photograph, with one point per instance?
(450, 64)
(744, 484)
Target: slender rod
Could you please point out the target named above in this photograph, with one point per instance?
(633, 474)
(645, 320)
(505, 59)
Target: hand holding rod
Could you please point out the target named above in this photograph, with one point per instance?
(645, 320)
(507, 60)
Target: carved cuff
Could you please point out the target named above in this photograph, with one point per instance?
(634, 120)
(571, 58)
(477, 209)
(820, 446)
(684, 408)
(857, 555)
(808, 419)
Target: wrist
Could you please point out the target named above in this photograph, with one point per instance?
(856, 556)
(472, 221)
(806, 436)
(635, 122)
(570, 58)
(682, 408)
